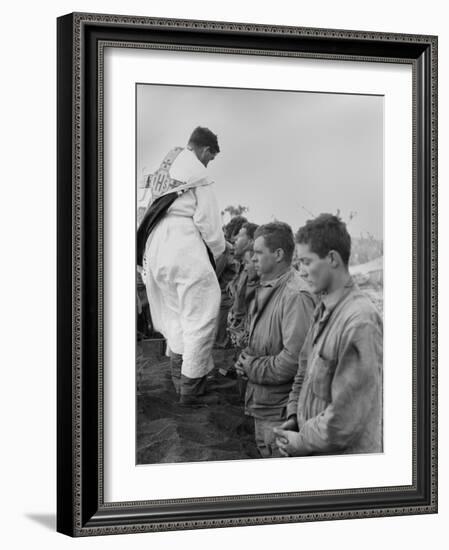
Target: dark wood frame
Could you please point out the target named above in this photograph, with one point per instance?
(81, 510)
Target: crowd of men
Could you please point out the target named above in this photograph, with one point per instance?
(309, 341)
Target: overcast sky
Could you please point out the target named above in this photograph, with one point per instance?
(285, 155)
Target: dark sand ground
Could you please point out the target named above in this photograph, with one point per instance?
(167, 432)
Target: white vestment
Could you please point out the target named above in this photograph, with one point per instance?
(182, 287)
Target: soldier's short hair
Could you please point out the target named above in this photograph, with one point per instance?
(325, 233)
(203, 137)
(233, 226)
(277, 235)
(250, 229)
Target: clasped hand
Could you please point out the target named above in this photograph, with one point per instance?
(288, 438)
(244, 359)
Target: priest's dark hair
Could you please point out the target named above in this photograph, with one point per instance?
(203, 137)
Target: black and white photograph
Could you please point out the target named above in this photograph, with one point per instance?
(259, 273)
(247, 274)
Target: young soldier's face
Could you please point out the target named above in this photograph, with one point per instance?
(315, 270)
(263, 259)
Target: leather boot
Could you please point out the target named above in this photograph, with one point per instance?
(194, 392)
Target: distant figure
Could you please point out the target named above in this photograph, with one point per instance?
(336, 401)
(182, 238)
(244, 239)
(280, 316)
(226, 269)
(242, 288)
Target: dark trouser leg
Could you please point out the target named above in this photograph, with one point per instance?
(222, 339)
(265, 437)
(175, 368)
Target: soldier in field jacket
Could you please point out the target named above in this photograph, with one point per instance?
(280, 315)
(335, 405)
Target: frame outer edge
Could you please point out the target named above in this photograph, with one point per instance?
(245, 27)
(65, 433)
(434, 272)
(74, 526)
(77, 263)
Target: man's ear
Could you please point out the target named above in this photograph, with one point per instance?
(279, 253)
(335, 258)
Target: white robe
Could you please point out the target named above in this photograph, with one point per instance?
(183, 291)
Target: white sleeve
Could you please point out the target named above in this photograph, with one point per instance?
(207, 219)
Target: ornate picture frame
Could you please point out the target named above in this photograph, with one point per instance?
(81, 507)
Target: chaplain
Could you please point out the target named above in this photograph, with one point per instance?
(178, 241)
